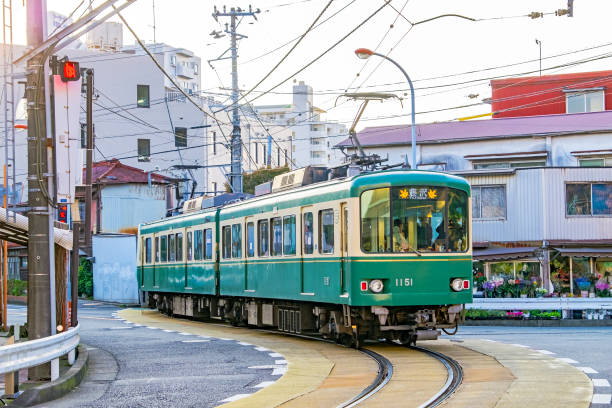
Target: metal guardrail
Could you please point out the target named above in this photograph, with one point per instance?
(541, 304)
(14, 357)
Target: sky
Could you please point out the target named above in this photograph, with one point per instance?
(445, 47)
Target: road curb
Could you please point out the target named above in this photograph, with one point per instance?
(58, 388)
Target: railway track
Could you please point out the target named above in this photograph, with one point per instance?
(385, 372)
(453, 380)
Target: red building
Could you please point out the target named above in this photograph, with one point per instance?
(552, 94)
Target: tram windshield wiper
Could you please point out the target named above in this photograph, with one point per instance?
(416, 251)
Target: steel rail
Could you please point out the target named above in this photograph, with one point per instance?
(385, 368)
(385, 372)
(453, 379)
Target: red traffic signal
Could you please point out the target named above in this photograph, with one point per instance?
(70, 71)
(62, 213)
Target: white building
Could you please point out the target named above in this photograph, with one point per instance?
(142, 119)
(312, 138)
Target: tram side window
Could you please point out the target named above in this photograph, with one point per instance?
(148, 250)
(289, 235)
(326, 231)
(189, 246)
(226, 236)
(262, 242)
(171, 248)
(375, 221)
(250, 237)
(164, 248)
(276, 238)
(308, 233)
(208, 244)
(197, 245)
(156, 249)
(236, 241)
(179, 246)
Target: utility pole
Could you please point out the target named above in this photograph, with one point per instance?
(236, 142)
(89, 77)
(41, 265)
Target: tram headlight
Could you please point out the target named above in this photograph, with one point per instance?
(457, 284)
(376, 285)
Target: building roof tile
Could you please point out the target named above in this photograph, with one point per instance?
(114, 172)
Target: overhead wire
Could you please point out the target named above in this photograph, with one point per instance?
(266, 76)
(326, 51)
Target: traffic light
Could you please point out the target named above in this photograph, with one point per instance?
(69, 71)
(62, 213)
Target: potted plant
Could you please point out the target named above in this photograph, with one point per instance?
(524, 291)
(540, 292)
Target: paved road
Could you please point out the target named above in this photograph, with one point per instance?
(142, 367)
(587, 347)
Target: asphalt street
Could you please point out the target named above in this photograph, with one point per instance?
(136, 366)
(588, 348)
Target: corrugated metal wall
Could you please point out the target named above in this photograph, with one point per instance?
(126, 206)
(523, 208)
(563, 227)
(536, 207)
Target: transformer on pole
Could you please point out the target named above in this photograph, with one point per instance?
(236, 141)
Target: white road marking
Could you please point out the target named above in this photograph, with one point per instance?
(224, 339)
(519, 345)
(280, 361)
(185, 334)
(600, 382)
(152, 328)
(275, 354)
(137, 325)
(567, 360)
(242, 343)
(264, 384)
(170, 331)
(194, 341)
(601, 398)
(235, 397)
(261, 349)
(492, 341)
(279, 371)
(545, 352)
(587, 370)
(119, 328)
(263, 367)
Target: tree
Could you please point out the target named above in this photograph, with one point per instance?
(249, 181)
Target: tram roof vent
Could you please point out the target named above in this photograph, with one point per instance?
(224, 199)
(300, 177)
(195, 204)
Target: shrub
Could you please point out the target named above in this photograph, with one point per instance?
(16, 287)
(85, 278)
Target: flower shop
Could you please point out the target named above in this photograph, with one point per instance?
(532, 272)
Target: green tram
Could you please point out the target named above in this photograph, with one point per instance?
(384, 254)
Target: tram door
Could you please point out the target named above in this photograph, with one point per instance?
(308, 269)
(343, 247)
(249, 271)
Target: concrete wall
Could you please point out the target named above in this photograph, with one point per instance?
(114, 269)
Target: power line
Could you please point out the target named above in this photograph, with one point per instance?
(324, 52)
(288, 52)
(294, 39)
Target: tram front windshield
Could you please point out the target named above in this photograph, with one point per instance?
(414, 219)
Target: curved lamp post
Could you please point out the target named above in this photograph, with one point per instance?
(364, 53)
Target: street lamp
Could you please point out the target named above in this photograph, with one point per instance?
(364, 53)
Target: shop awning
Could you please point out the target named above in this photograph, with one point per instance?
(585, 252)
(502, 254)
